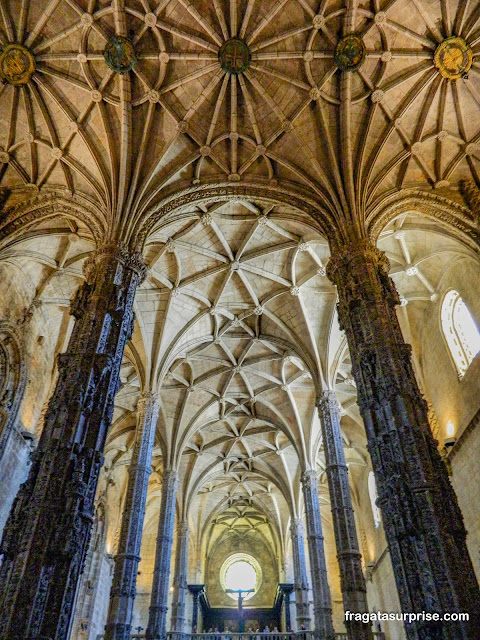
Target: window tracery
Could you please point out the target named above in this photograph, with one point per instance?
(460, 331)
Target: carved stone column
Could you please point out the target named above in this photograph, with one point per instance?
(421, 517)
(122, 594)
(157, 620)
(47, 534)
(354, 590)
(195, 590)
(300, 571)
(322, 605)
(180, 580)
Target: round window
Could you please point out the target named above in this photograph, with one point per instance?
(240, 572)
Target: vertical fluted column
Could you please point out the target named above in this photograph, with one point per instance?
(48, 531)
(322, 605)
(422, 521)
(349, 558)
(300, 571)
(180, 580)
(123, 591)
(157, 620)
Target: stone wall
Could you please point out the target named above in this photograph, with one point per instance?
(14, 465)
(457, 399)
(464, 460)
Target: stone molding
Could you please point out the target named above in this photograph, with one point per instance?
(19, 217)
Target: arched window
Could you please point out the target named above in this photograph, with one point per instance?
(460, 331)
(372, 490)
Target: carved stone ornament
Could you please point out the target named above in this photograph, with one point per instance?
(350, 52)
(17, 65)
(59, 496)
(453, 58)
(421, 517)
(119, 54)
(234, 56)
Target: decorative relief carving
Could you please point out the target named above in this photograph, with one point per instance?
(58, 498)
(350, 52)
(20, 216)
(119, 54)
(420, 512)
(17, 64)
(234, 56)
(450, 214)
(453, 58)
(348, 553)
(305, 202)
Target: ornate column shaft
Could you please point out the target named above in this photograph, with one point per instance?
(421, 517)
(157, 620)
(180, 580)
(322, 604)
(47, 534)
(300, 571)
(123, 591)
(354, 590)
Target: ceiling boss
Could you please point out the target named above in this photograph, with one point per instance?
(234, 56)
(17, 65)
(453, 58)
(350, 52)
(119, 54)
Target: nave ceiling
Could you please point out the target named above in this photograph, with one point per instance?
(349, 124)
(236, 321)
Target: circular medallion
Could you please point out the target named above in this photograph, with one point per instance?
(350, 52)
(16, 64)
(119, 54)
(453, 58)
(234, 56)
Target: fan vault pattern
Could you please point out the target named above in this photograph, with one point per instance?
(291, 112)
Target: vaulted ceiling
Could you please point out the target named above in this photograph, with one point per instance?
(346, 102)
(350, 122)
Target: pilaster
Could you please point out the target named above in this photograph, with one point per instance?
(322, 604)
(122, 594)
(348, 553)
(157, 621)
(47, 534)
(422, 520)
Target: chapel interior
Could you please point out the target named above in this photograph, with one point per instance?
(239, 318)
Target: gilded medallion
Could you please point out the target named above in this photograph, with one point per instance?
(350, 52)
(453, 58)
(119, 54)
(16, 64)
(234, 56)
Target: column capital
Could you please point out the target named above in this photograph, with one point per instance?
(310, 479)
(327, 401)
(344, 256)
(170, 476)
(296, 527)
(118, 252)
(183, 528)
(148, 399)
